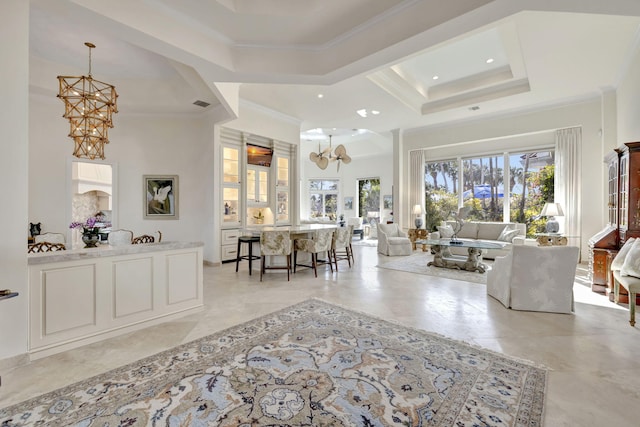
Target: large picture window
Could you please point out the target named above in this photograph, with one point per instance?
(323, 198)
(526, 176)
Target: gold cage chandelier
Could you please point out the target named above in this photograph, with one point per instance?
(89, 106)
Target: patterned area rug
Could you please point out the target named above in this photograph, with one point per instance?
(417, 263)
(312, 364)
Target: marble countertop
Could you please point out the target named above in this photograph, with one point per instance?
(106, 251)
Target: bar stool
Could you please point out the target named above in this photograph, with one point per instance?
(250, 240)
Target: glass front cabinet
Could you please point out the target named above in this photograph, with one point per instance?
(256, 182)
(282, 190)
(231, 186)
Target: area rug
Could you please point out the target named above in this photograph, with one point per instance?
(417, 263)
(312, 364)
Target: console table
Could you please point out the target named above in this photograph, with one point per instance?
(9, 295)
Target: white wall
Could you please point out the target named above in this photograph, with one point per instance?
(628, 105)
(494, 134)
(139, 145)
(14, 121)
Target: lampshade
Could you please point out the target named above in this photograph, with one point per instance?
(552, 209)
(417, 209)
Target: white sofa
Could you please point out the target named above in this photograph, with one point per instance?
(486, 232)
(392, 241)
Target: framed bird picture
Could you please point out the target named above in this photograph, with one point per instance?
(161, 196)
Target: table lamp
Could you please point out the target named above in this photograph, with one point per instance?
(417, 211)
(552, 210)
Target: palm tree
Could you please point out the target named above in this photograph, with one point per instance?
(444, 170)
(432, 169)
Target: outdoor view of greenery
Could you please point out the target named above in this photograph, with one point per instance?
(323, 198)
(529, 183)
(369, 197)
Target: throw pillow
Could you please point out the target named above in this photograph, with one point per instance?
(631, 265)
(507, 234)
(445, 231)
(617, 262)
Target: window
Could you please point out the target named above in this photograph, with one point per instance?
(483, 189)
(323, 198)
(441, 185)
(530, 184)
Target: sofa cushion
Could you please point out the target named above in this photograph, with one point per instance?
(491, 230)
(618, 261)
(445, 231)
(469, 230)
(631, 264)
(507, 234)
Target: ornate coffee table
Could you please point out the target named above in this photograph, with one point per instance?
(444, 258)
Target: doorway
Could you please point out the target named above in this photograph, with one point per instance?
(369, 199)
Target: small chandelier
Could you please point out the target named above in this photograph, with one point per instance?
(89, 106)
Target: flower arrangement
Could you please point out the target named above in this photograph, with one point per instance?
(259, 216)
(92, 225)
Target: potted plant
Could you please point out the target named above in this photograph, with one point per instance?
(91, 229)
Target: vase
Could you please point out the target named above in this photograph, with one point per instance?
(90, 239)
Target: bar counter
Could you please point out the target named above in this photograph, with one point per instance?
(82, 296)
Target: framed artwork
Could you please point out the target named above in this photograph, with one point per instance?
(348, 203)
(160, 196)
(388, 202)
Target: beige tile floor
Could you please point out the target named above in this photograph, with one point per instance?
(593, 356)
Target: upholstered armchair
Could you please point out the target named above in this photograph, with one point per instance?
(275, 243)
(356, 222)
(535, 278)
(392, 241)
(120, 237)
(319, 243)
(341, 245)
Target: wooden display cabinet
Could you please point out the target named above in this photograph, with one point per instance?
(623, 205)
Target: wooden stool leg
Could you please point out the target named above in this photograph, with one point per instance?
(250, 256)
(288, 266)
(632, 308)
(261, 266)
(238, 255)
(314, 256)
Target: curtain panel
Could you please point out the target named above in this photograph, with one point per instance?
(567, 181)
(416, 183)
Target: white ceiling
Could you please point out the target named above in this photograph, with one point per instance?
(162, 55)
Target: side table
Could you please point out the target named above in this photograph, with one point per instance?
(417, 234)
(551, 239)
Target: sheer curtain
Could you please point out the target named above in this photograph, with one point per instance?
(567, 181)
(416, 183)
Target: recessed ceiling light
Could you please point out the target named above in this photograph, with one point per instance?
(436, 77)
(362, 113)
(320, 95)
(375, 112)
(489, 61)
